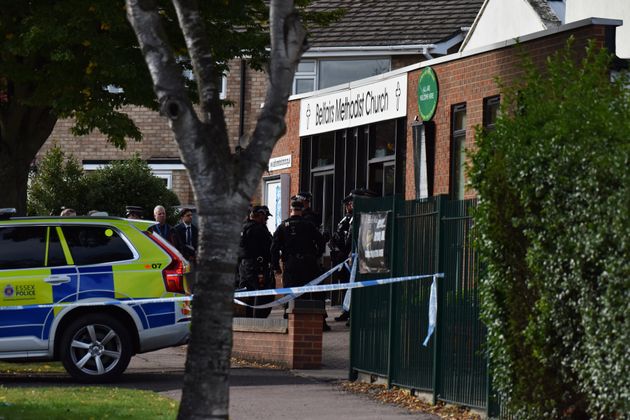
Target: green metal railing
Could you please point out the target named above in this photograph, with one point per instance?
(389, 323)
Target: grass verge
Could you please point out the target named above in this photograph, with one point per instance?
(88, 402)
(17, 368)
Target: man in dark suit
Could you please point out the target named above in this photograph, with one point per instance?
(185, 235)
(162, 227)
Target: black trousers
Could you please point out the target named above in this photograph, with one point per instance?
(256, 276)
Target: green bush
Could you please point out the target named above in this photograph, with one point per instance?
(128, 182)
(60, 181)
(554, 185)
(57, 182)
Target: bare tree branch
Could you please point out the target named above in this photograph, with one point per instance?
(288, 42)
(204, 66)
(168, 83)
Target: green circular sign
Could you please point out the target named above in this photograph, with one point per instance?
(427, 93)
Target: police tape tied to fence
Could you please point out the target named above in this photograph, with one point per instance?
(290, 293)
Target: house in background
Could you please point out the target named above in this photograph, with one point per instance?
(373, 37)
(503, 20)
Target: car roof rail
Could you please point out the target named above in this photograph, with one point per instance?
(6, 213)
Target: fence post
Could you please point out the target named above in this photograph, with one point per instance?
(437, 368)
(391, 309)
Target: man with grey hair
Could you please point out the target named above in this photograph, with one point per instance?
(162, 228)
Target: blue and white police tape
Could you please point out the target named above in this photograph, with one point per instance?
(290, 292)
(292, 296)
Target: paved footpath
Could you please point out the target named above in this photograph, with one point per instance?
(275, 394)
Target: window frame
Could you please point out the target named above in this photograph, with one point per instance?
(316, 74)
(458, 147)
(488, 103)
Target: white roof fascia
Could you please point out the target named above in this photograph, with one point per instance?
(459, 55)
(377, 50)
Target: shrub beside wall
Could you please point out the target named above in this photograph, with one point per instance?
(60, 181)
(554, 186)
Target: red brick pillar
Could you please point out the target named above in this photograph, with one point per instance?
(306, 320)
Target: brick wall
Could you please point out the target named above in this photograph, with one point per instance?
(469, 80)
(296, 343)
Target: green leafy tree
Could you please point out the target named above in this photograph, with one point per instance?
(57, 60)
(60, 181)
(57, 182)
(128, 182)
(554, 213)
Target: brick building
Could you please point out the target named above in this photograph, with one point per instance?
(346, 137)
(373, 37)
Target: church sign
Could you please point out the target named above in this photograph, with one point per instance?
(366, 104)
(427, 94)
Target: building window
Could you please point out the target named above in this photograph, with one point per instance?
(314, 74)
(336, 72)
(221, 83)
(165, 176)
(490, 111)
(382, 157)
(323, 150)
(458, 151)
(305, 77)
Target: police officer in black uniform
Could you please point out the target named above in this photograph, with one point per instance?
(308, 213)
(340, 245)
(299, 244)
(255, 258)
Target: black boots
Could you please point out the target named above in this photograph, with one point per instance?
(343, 317)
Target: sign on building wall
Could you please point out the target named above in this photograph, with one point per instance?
(361, 105)
(427, 94)
(280, 162)
(371, 242)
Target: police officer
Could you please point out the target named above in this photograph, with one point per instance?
(133, 212)
(255, 258)
(308, 213)
(340, 245)
(299, 243)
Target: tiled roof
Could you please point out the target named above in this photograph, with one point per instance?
(393, 22)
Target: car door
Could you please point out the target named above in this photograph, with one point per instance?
(34, 273)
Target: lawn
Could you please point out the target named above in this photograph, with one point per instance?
(18, 368)
(88, 402)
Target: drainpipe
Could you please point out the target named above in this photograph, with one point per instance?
(241, 123)
(425, 52)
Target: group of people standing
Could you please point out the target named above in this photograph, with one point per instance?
(298, 243)
(183, 235)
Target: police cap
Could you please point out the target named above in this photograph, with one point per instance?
(304, 195)
(137, 210)
(297, 205)
(362, 192)
(261, 210)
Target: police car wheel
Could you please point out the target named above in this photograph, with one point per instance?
(96, 348)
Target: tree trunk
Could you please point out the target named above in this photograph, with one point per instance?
(222, 181)
(206, 384)
(23, 131)
(14, 175)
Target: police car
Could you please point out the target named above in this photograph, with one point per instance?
(89, 291)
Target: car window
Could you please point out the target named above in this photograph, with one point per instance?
(55, 252)
(95, 244)
(22, 247)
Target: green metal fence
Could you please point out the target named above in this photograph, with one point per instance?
(389, 323)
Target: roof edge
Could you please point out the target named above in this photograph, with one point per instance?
(455, 56)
